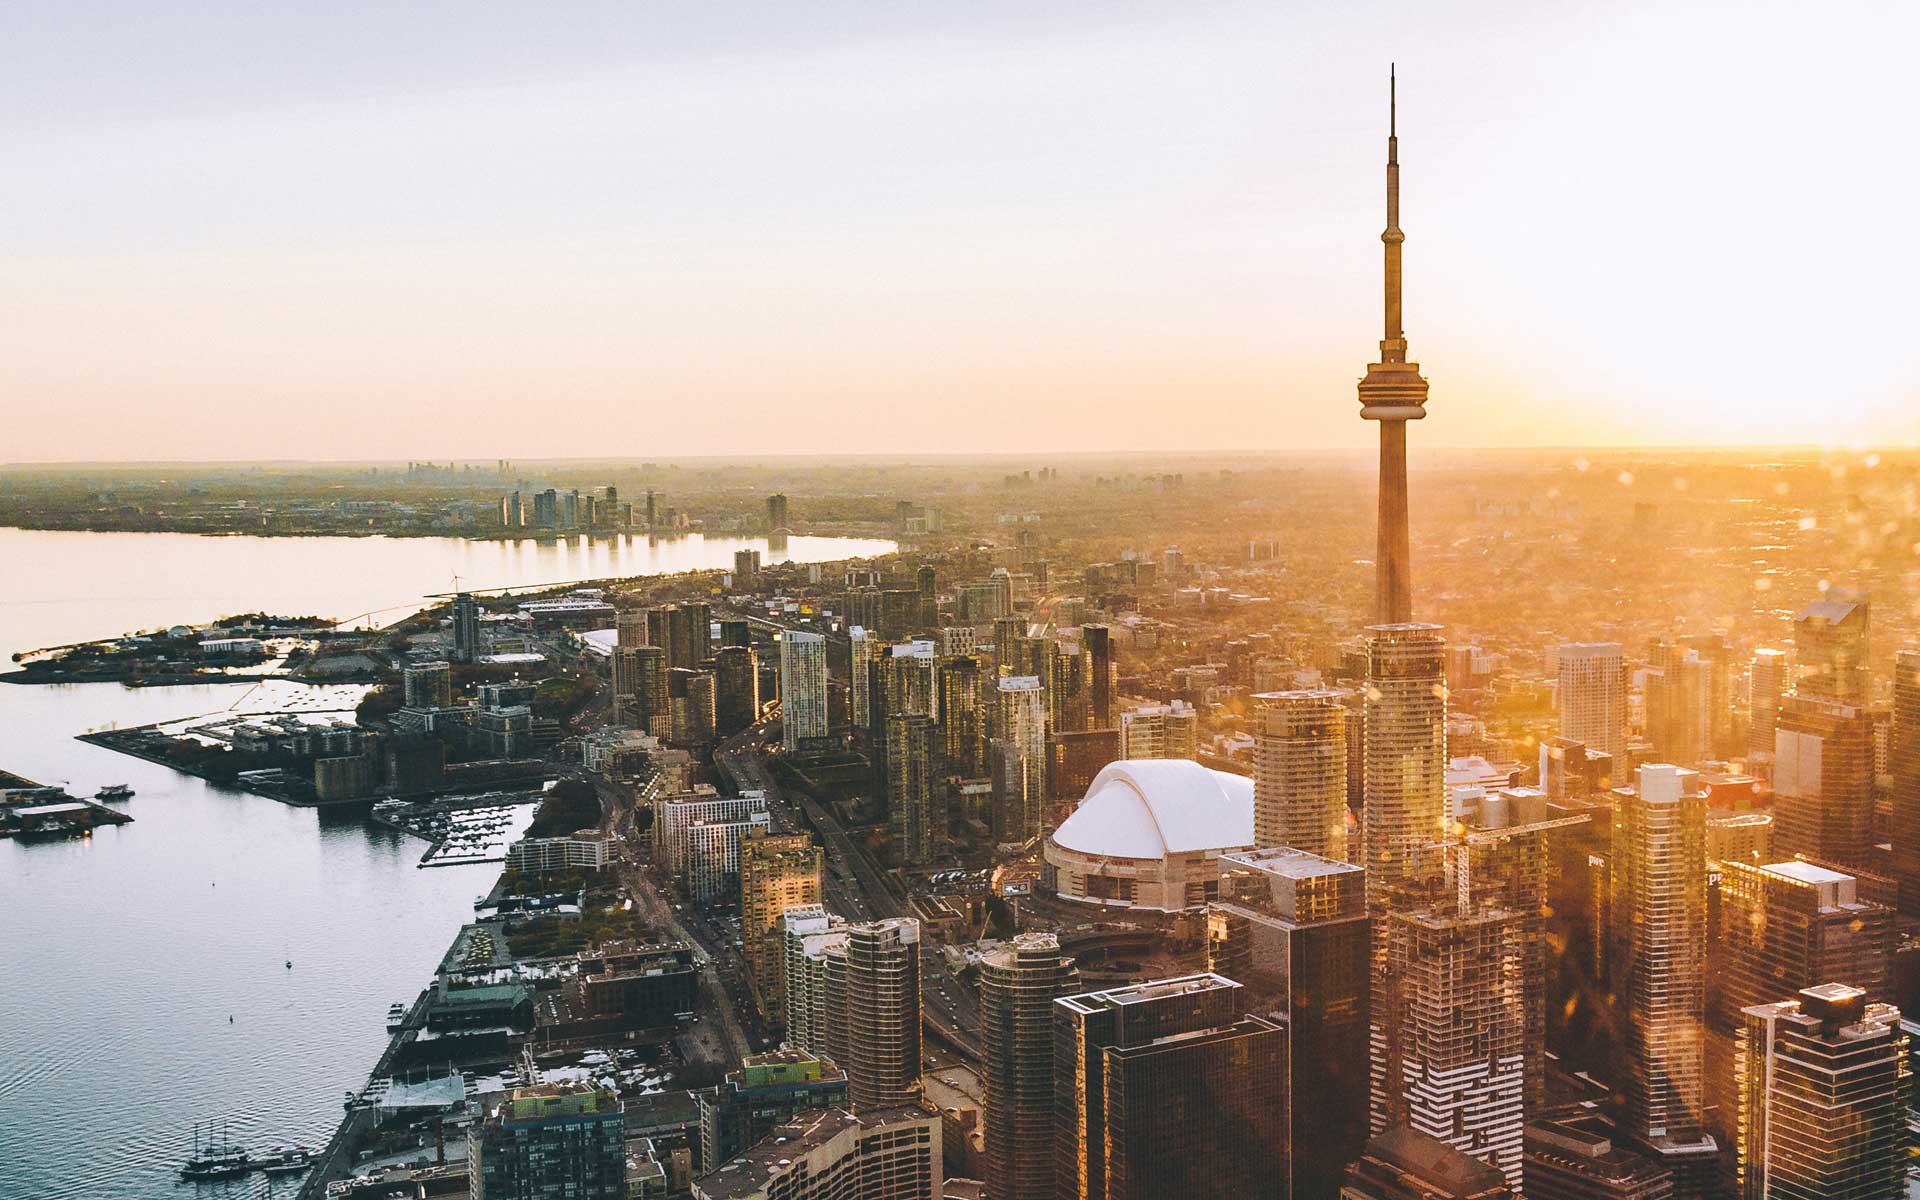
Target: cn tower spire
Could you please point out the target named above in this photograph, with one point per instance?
(1393, 393)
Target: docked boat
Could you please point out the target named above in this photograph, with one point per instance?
(396, 1018)
(114, 791)
(215, 1160)
(285, 1160)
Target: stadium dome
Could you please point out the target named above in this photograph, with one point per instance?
(1149, 834)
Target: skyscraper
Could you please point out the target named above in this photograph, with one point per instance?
(1823, 780)
(807, 933)
(1778, 929)
(1294, 932)
(777, 873)
(1406, 753)
(736, 689)
(916, 817)
(1300, 773)
(1451, 1059)
(860, 677)
(803, 688)
(1393, 393)
(1168, 1089)
(1068, 709)
(1830, 643)
(1593, 696)
(1098, 639)
(777, 513)
(1766, 684)
(1825, 1088)
(466, 628)
(1020, 766)
(1018, 984)
(640, 694)
(1659, 912)
(1905, 753)
(873, 1011)
(962, 717)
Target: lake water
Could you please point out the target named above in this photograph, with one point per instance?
(58, 587)
(123, 956)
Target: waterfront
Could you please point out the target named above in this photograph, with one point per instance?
(125, 953)
(71, 587)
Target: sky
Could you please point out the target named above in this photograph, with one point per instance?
(476, 230)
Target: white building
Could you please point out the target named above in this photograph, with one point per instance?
(1160, 731)
(582, 851)
(1593, 696)
(1150, 833)
(803, 687)
(674, 815)
(859, 678)
(713, 856)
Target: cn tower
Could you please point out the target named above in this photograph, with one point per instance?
(1393, 393)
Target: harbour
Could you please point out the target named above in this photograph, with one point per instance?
(158, 949)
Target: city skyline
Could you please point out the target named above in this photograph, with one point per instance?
(995, 830)
(1109, 214)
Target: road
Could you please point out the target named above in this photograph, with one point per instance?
(717, 1035)
(856, 887)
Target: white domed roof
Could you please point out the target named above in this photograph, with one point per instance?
(1150, 807)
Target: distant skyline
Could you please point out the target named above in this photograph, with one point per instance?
(676, 231)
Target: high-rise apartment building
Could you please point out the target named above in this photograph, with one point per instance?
(777, 517)
(1098, 639)
(963, 718)
(693, 705)
(1830, 645)
(1823, 778)
(467, 646)
(427, 685)
(803, 688)
(1825, 1087)
(777, 873)
(1659, 914)
(1405, 804)
(1452, 1011)
(1300, 773)
(1018, 984)
(1068, 685)
(807, 933)
(833, 1154)
(1292, 928)
(1168, 1089)
(873, 1011)
(1766, 684)
(860, 654)
(1593, 696)
(916, 812)
(1905, 754)
(736, 689)
(1020, 758)
(1160, 731)
(1777, 929)
(551, 1141)
(641, 697)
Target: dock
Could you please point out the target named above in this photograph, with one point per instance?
(30, 810)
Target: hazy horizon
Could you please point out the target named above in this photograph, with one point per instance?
(366, 234)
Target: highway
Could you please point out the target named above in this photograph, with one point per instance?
(855, 887)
